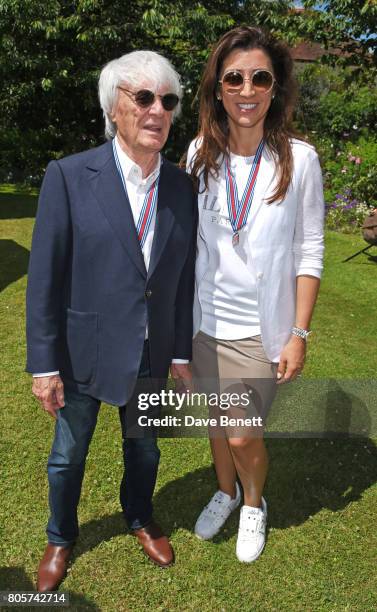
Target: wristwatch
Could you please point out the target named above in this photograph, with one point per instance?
(301, 333)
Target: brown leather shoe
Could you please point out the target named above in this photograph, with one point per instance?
(53, 567)
(155, 544)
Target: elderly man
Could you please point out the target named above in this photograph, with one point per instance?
(109, 299)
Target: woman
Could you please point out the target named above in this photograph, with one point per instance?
(260, 248)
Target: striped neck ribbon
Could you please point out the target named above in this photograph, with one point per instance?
(239, 210)
(149, 204)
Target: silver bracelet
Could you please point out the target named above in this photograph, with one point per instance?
(301, 333)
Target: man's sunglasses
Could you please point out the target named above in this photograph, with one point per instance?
(145, 98)
(261, 80)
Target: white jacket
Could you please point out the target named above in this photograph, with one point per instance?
(285, 239)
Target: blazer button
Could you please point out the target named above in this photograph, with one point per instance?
(259, 275)
(148, 293)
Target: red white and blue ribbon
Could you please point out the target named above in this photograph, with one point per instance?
(149, 204)
(239, 210)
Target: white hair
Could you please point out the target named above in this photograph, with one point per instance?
(137, 69)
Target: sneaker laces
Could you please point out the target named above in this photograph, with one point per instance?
(252, 522)
(217, 503)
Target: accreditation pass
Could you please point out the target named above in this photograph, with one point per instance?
(33, 598)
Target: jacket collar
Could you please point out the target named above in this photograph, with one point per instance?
(132, 171)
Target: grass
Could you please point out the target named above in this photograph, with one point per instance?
(322, 496)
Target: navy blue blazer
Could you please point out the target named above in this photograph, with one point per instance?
(89, 296)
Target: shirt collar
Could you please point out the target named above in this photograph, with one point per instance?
(132, 171)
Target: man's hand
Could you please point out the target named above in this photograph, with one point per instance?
(49, 390)
(182, 375)
(292, 360)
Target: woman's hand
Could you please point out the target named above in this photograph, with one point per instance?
(292, 360)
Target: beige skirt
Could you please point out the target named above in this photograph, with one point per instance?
(238, 367)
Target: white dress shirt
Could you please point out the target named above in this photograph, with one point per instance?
(137, 189)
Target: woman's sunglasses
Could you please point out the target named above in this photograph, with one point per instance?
(261, 80)
(145, 98)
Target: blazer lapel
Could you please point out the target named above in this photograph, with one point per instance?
(167, 194)
(107, 187)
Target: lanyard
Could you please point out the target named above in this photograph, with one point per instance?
(149, 204)
(239, 210)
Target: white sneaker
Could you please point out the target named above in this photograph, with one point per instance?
(214, 515)
(251, 532)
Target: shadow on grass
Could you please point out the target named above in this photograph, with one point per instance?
(14, 260)
(324, 408)
(346, 414)
(17, 206)
(306, 476)
(16, 579)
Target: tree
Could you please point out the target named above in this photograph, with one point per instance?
(50, 55)
(349, 25)
(51, 52)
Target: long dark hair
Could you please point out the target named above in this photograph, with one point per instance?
(213, 124)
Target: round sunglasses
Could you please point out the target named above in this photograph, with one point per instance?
(261, 80)
(145, 98)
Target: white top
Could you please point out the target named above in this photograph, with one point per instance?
(228, 292)
(137, 188)
(285, 240)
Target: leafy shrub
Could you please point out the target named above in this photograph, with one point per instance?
(352, 110)
(315, 81)
(338, 111)
(349, 165)
(333, 102)
(345, 213)
(350, 179)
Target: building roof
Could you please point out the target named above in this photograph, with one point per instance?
(311, 51)
(306, 51)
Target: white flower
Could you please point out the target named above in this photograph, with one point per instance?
(362, 209)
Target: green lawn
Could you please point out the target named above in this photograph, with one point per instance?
(322, 496)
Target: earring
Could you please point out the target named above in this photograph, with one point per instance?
(218, 96)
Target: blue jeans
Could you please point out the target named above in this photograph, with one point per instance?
(74, 429)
